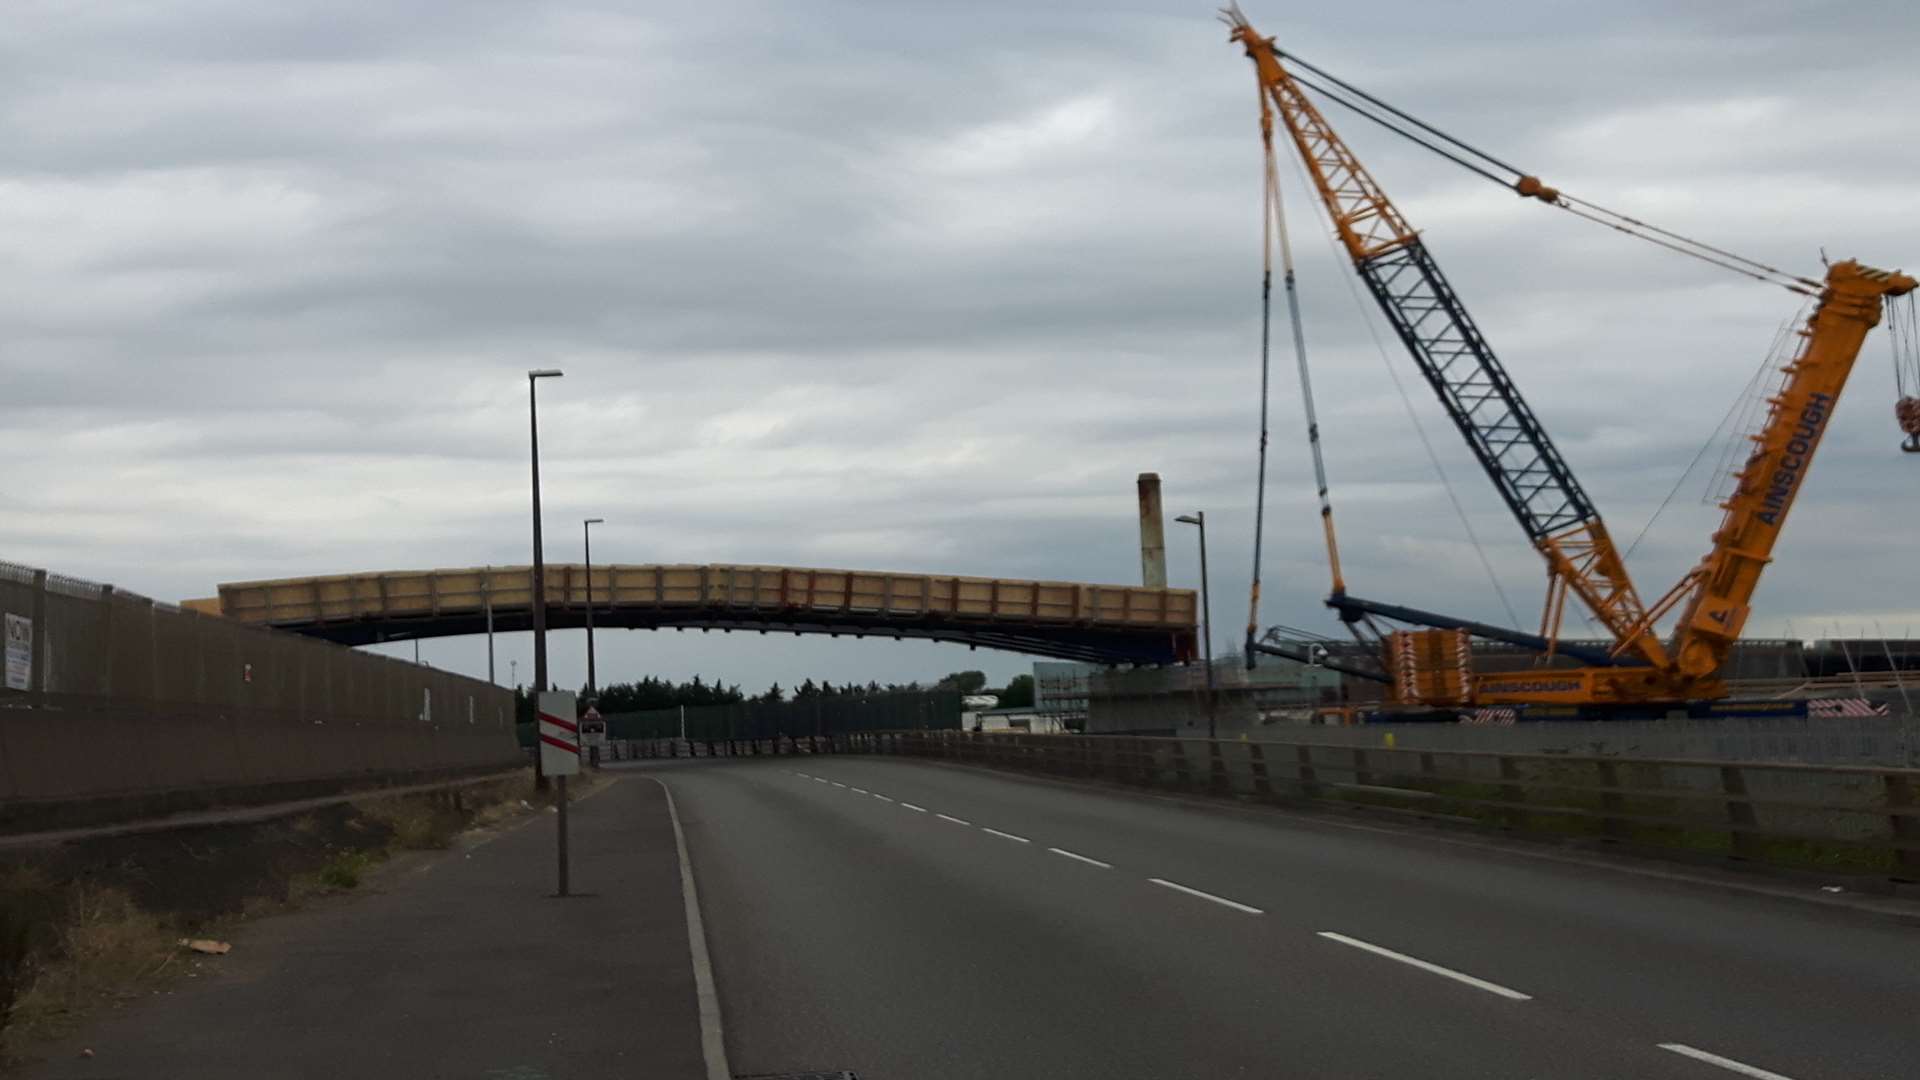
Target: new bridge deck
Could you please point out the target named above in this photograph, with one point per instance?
(1114, 624)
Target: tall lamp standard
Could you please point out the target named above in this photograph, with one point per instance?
(586, 534)
(539, 559)
(1199, 519)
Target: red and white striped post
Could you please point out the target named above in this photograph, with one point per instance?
(559, 731)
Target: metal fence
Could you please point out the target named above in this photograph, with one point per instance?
(824, 715)
(109, 694)
(1848, 820)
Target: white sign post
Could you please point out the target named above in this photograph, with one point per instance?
(19, 652)
(559, 734)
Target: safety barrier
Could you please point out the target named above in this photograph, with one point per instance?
(115, 706)
(1839, 819)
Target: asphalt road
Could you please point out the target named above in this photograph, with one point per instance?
(911, 921)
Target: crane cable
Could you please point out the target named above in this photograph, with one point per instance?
(1273, 226)
(1903, 326)
(1518, 179)
(1266, 327)
(1369, 319)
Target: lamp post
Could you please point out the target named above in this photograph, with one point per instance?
(586, 534)
(539, 559)
(1198, 519)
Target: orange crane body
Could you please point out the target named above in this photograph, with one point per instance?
(1581, 557)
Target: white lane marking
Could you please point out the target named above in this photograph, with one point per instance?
(1482, 984)
(1006, 835)
(836, 783)
(1726, 1063)
(915, 809)
(1221, 900)
(801, 775)
(955, 820)
(879, 796)
(860, 791)
(713, 1042)
(819, 779)
(1081, 858)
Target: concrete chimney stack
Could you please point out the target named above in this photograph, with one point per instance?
(1153, 534)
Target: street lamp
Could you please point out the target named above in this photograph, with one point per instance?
(1199, 519)
(539, 559)
(586, 534)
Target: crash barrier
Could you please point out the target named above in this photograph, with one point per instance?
(114, 699)
(1855, 820)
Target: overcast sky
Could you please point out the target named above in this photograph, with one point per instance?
(905, 286)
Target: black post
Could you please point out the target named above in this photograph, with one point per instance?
(586, 533)
(539, 567)
(1199, 519)
(1206, 627)
(560, 792)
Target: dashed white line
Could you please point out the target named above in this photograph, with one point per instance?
(1221, 900)
(1005, 835)
(860, 791)
(836, 783)
(1081, 858)
(879, 796)
(819, 779)
(915, 809)
(802, 775)
(1436, 969)
(1726, 1063)
(955, 820)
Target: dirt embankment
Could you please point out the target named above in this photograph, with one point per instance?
(92, 924)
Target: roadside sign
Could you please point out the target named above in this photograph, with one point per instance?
(559, 733)
(593, 729)
(19, 652)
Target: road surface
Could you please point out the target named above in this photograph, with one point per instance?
(912, 921)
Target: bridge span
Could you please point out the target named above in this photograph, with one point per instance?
(1111, 624)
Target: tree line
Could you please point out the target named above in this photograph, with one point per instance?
(652, 692)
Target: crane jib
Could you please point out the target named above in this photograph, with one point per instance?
(1800, 446)
(1475, 390)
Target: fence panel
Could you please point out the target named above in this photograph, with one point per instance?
(129, 699)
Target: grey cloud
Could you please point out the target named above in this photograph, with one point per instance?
(909, 285)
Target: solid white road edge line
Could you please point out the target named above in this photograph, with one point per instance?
(1436, 969)
(1221, 900)
(955, 820)
(1006, 835)
(915, 809)
(1081, 858)
(1726, 1063)
(713, 1045)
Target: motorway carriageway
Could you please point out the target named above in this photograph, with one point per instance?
(912, 921)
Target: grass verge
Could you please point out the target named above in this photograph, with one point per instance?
(96, 922)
